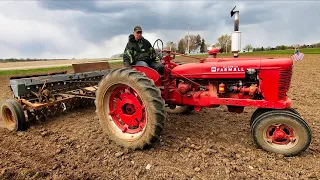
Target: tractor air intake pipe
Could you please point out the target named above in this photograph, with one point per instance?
(236, 35)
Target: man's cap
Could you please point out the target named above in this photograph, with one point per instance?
(137, 28)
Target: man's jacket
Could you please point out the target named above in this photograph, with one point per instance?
(140, 50)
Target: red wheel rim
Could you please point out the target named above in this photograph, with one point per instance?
(127, 110)
(280, 134)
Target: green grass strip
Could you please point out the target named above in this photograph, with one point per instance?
(39, 70)
(33, 71)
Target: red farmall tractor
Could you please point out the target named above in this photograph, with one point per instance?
(131, 103)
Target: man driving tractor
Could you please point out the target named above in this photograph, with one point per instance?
(139, 52)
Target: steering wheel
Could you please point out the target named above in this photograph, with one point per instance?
(158, 52)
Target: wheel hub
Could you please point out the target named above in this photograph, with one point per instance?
(127, 110)
(10, 117)
(280, 134)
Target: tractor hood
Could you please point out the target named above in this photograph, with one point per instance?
(233, 68)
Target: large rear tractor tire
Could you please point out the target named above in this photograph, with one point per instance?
(13, 115)
(281, 131)
(130, 109)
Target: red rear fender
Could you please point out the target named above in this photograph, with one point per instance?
(149, 72)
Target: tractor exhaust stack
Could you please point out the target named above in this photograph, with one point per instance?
(236, 35)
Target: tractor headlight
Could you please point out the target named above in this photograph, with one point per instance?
(251, 71)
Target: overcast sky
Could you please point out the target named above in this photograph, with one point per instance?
(97, 29)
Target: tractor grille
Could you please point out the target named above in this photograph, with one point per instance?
(284, 83)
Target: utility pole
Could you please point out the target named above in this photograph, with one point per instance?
(188, 39)
(226, 46)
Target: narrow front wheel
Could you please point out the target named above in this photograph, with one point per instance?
(261, 111)
(281, 132)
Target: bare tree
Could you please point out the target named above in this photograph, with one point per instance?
(172, 45)
(248, 48)
(224, 43)
(194, 43)
(182, 46)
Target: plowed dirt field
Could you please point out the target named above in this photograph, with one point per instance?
(211, 144)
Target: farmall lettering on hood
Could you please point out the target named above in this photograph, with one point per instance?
(217, 68)
(227, 69)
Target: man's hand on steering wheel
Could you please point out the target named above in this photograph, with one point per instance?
(157, 54)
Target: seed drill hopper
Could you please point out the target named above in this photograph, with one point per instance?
(37, 97)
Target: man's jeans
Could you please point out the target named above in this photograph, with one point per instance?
(154, 65)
